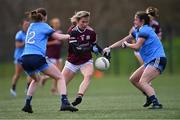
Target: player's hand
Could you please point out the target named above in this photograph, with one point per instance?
(107, 53)
(95, 49)
(124, 44)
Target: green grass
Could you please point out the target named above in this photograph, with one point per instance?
(111, 97)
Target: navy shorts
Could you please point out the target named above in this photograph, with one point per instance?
(33, 63)
(159, 63)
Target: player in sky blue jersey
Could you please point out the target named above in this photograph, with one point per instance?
(19, 47)
(33, 58)
(152, 52)
(153, 14)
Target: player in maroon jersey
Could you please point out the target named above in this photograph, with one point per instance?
(153, 14)
(54, 50)
(81, 44)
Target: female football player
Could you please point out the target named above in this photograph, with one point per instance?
(33, 58)
(153, 14)
(19, 47)
(54, 46)
(152, 52)
(54, 50)
(81, 44)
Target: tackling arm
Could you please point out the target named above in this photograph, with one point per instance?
(128, 38)
(58, 36)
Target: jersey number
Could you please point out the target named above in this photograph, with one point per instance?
(30, 38)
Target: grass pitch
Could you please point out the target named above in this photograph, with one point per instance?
(110, 97)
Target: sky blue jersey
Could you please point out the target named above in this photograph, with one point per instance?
(20, 37)
(152, 47)
(36, 38)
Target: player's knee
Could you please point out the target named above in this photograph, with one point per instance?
(59, 77)
(132, 79)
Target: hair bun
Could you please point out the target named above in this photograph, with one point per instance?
(33, 12)
(37, 15)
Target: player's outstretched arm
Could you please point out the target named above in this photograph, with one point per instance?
(59, 36)
(120, 43)
(128, 38)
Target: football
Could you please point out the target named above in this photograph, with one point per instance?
(102, 63)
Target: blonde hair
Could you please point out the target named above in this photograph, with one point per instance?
(73, 20)
(78, 15)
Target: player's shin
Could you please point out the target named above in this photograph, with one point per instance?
(61, 84)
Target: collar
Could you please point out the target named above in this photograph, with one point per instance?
(79, 30)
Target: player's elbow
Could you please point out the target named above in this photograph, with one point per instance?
(136, 47)
(19, 45)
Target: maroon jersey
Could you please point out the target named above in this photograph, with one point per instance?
(155, 25)
(70, 28)
(84, 39)
(54, 51)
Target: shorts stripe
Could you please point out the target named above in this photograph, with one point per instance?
(159, 63)
(156, 63)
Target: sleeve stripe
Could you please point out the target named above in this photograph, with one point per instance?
(72, 41)
(143, 36)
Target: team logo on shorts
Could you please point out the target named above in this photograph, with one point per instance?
(88, 37)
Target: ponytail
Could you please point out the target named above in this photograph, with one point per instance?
(152, 11)
(37, 15)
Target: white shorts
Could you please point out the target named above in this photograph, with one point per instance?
(53, 60)
(75, 68)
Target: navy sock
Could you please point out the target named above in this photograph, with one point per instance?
(64, 99)
(14, 87)
(28, 100)
(154, 100)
